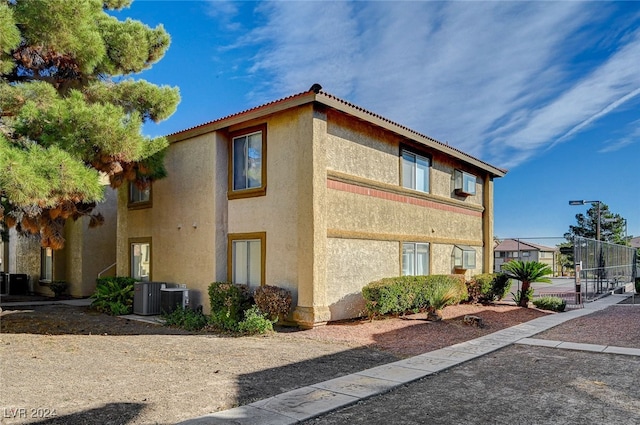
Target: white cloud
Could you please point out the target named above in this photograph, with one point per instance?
(631, 139)
(500, 80)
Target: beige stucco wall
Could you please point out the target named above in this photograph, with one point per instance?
(186, 229)
(88, 251)
(285, 213)
(351, 264)
(359, 149)
(442, 179)
(350, 212)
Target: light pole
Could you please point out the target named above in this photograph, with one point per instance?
(590, 202)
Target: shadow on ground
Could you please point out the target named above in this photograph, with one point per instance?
(112, 413)
(59, 319)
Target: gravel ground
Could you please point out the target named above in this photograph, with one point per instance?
(97, 369)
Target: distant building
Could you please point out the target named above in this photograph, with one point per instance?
(514, 249)
(635, 242)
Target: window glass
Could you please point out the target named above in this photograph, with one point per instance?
(415, 171)
(469, 259)
(247, 262)
(407, 169)
(422, 259)
(247, 161)
(141, 261)
(137, 195)
(46, 264)
(422, 174)
(464, 257)
(408, 259)
(465, 183)
(415, 259)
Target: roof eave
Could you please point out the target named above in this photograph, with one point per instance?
(248, 115)
(339, 105)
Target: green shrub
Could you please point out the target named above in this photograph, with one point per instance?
(443, 290)
(500, 286)
(488, 287)
(255, 322)
(390, 295)
(118, 309)
(59, 287)
(403, 294)
(273, 301)
(479, 288)
(114, 295)
(550, 303)
(637, 285)
(186, 318)
(228, 303)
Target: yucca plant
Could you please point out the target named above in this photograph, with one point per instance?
(527, 272)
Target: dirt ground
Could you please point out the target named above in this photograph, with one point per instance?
(90, 368)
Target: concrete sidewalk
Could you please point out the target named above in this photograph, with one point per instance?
(315, 400)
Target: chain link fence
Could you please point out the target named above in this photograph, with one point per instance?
(603, 267)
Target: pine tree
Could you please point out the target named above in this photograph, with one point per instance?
(70, 113)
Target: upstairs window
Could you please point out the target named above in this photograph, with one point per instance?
(139, 198)
(465, 183)
(415, 171)
(247, 171)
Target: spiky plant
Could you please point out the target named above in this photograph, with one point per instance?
(527, 272)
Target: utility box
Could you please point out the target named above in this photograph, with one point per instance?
(172, 298)
(18, 284)
(146, 298)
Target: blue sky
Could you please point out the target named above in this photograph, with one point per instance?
(548, 90)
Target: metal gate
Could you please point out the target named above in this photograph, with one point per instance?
(602, 267)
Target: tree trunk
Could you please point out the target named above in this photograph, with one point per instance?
(524, 298)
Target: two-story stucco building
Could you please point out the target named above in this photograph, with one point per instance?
(313, 194)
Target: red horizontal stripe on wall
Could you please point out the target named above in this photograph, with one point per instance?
(381, 194)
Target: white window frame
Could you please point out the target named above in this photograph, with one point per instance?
(140, 259)
(415, 171)
(46, 264)
(251, 247)
(413, 253)
(464, 257)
